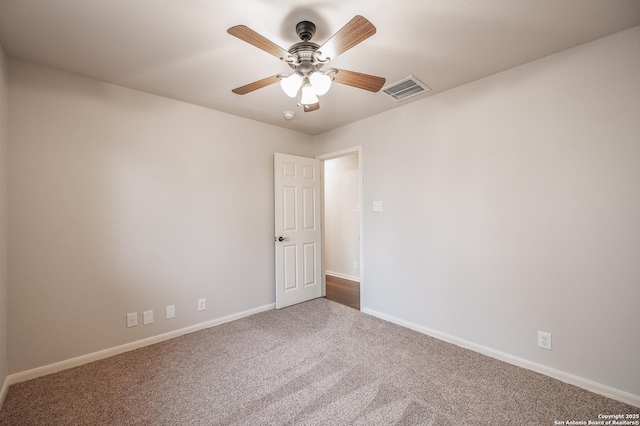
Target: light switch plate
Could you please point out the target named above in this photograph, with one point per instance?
(171, 311)
(132, 319)
(377, 206)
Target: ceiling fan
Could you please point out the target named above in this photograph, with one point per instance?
(306, 58)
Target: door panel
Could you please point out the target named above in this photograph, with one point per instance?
(310, 265)
(309, 207)
(297, 229)
(289, 208)
(290, 267)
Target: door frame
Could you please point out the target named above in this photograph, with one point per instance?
(330, 156)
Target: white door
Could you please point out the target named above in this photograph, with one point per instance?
(297, 227)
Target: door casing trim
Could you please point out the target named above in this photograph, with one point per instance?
(330, 156)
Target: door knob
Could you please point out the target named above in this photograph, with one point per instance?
(283, 239)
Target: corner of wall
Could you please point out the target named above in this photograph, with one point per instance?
(3, 223)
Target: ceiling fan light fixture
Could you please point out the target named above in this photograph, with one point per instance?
(320, 82)
(291, 84)
(308, 95)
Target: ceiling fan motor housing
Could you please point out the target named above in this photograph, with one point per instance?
(304, 51)
(304, 54)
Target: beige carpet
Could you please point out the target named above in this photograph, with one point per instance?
(317, 363)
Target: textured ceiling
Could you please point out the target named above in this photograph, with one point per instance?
(181, 50)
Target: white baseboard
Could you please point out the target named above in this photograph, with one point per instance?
(344, 276)
(95, 356)
(609, 392)
(3, 392)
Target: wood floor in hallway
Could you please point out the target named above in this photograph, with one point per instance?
(343, 291)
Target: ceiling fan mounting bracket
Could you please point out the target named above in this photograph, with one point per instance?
(305, 30)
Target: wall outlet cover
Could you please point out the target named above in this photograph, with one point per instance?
(202, 304)
(544, 340)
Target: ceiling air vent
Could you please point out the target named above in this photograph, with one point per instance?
(405, 88)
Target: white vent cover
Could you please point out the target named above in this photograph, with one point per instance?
(405, 88)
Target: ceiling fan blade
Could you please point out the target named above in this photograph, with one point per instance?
(256, 85)
(245, 33)
(355, 31)
(311, 107)
(359, 80)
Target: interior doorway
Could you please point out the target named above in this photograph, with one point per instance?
(342, 229)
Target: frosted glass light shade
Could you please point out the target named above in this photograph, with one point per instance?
(308, 96)
(320, 82)
(290, 85)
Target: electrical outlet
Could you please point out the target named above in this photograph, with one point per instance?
(147, 317)
(132, 319)
(170, 312)
(202, 304)
(377, 206)
(355, 265)
(544, 340)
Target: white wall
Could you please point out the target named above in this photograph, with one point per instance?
(512, 205)
(3, 217)
(121, 201)
(341, 217)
